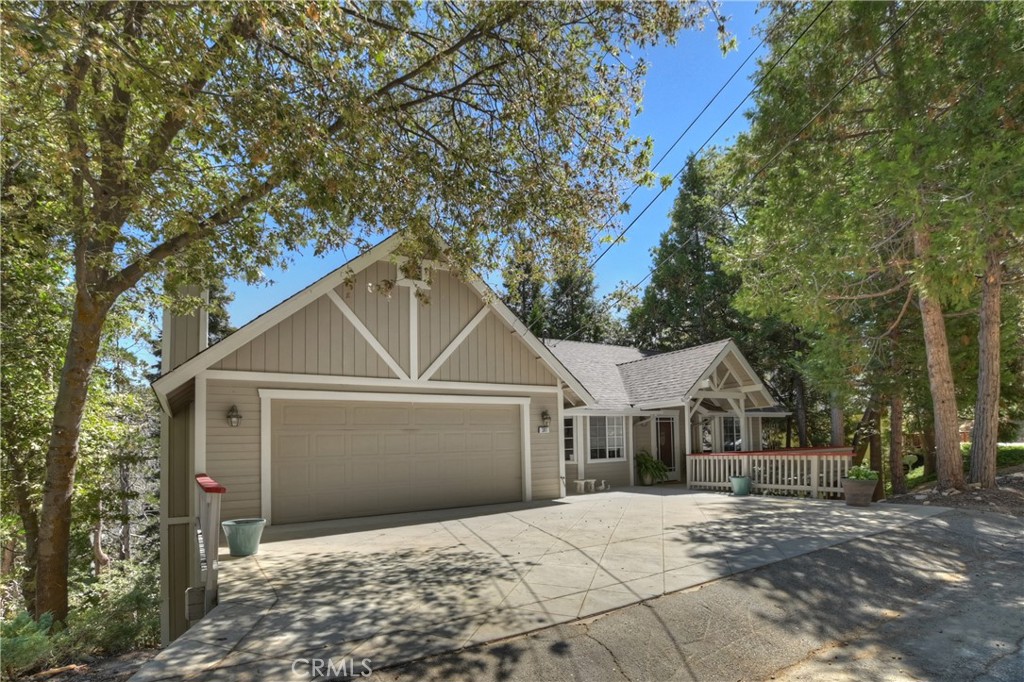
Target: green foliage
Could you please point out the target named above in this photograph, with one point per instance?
(25, 642)
(925, 142)
(862, 473)
(1007, 455)
(647, 465)
(119, 611)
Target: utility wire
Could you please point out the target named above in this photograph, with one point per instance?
(721, 125)
(865, 63)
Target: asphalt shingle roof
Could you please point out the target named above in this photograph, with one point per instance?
(595, 366)
(668, 376)
(621, 376)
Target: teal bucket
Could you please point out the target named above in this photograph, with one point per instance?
(243, 535)
(740, 486)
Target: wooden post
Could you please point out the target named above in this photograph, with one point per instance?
(209, 525)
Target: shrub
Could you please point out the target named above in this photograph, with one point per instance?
(119, 611)
(25, 643)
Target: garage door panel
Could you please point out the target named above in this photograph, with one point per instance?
(360, 459)
(425, 443)
(395, 444)
(362, 444)
(292, 446)
(435, 417)
(453, 442)
(324, 414)
(385, 414)
(327, 445)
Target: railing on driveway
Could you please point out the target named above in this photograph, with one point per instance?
(816, 472)
(208, 538)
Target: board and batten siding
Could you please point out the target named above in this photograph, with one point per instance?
(315, 340)
(449, 306)
(318, 339)
(233, 453)
(494, 354)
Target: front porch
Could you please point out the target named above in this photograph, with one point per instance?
(396, 588)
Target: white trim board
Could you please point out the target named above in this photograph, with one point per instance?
(450, 349)
(367, 335)
(269, 394)
(376, 382)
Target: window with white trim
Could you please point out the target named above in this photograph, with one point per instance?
(607, 438)
(569, 437)
(731, 434)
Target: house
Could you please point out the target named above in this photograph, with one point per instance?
(353, 398)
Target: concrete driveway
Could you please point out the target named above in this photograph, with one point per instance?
(402, 587)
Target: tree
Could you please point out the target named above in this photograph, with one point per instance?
(573, 309)
(181, 144)
(879, 148)
(689, 300)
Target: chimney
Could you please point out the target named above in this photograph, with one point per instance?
(184, 336)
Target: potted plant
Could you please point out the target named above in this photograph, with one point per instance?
(859, 486)
(651, 470)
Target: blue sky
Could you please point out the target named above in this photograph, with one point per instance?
(680, 81)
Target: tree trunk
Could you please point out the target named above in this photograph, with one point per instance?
(62, 455)
(789, 431)
(801, 411)
(986, 410)
(838, 422)
(928, 445)
(125, 550)
(100, 559)
(899, 479)
(876, 453)
(21, 487)
(948, 460)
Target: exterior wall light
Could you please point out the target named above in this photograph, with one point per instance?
(545, 420)
(234, 416)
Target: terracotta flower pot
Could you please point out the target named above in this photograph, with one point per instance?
(858, 493)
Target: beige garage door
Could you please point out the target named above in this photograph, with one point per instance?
(331, 460)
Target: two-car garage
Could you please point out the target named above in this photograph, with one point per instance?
(334, 457)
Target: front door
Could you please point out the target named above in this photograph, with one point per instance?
(664, 428)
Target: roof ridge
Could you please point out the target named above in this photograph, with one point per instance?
(675, 352)
(591, 343)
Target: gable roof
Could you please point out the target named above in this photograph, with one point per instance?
(669, 375)
(594, 364)
(623, 377)
(187, 371)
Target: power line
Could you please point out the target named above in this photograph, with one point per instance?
(721, 125)
(865, 63)
(693, 122)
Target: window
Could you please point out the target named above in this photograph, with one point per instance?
(569, 436)
(731, 434)
(607, 438)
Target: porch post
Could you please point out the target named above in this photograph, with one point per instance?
(688, 440)
(583, 442)
(629, 451)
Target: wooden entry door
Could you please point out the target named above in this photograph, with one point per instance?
(664, 431)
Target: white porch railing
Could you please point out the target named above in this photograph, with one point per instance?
(816, 472)
(208, 538)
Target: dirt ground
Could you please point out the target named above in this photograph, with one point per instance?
(1006, 498)
(110, 669)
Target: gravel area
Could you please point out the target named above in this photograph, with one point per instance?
(1006, 498)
